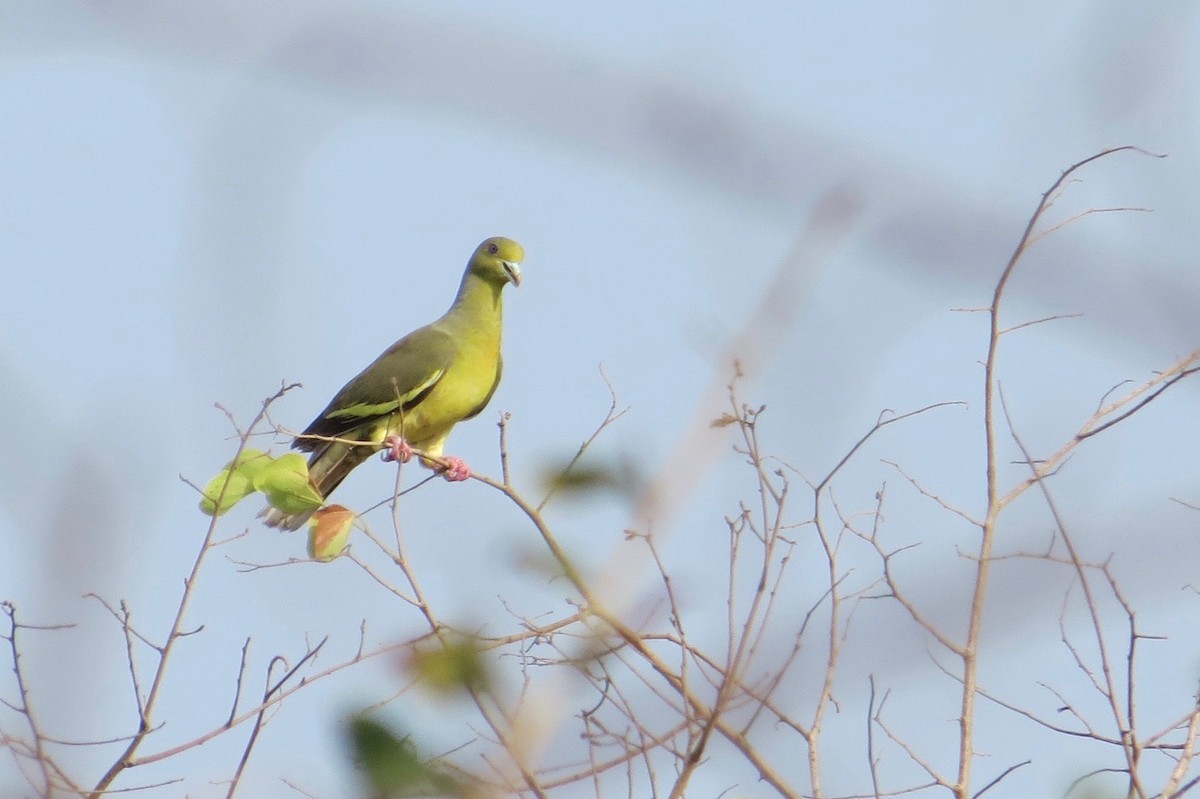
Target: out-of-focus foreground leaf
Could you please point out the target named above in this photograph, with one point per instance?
(581, 479)
(392, 765)
(450, 667)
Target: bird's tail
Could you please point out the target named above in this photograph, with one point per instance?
(327, 468)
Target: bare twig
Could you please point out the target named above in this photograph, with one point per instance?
(49, 774)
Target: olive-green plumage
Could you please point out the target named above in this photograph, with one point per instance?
(422, 385)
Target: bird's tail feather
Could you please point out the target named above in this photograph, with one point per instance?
(327, 468)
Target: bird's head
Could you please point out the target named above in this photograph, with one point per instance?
(498, 260)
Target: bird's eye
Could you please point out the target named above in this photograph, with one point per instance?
(493, 248)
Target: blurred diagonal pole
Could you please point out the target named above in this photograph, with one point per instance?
(619, 584)
(779, 306)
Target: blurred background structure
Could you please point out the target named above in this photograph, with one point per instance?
(199, 202)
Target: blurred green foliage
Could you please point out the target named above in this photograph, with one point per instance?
(393, 767)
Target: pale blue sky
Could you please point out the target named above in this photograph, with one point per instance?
(197, 203)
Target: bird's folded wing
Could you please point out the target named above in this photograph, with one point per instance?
(398, 379)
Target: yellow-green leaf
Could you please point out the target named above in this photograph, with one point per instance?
(286, 485)
(234, 482)
(450, 667)
(583, 478)
(328, 532)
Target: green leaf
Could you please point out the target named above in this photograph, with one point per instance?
(583, 478)
(328, 532)
(286, 484)
(452, 666)
(393, 766)
(234, 482)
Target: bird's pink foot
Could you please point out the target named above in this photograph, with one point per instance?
(456, 470)
(397, 449)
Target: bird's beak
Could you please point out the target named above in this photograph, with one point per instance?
(514, 272)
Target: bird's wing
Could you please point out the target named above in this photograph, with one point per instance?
(398, 379)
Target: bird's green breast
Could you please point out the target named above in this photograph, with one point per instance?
(461, 393)
(474, 325)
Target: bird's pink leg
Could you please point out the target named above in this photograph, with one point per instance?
(456, 469)
(397, 449)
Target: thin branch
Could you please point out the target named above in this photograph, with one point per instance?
(177, 631)
(38, 752)
(1000, 777)
(609, 418)
(259, 720)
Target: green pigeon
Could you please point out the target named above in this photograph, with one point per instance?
(419, 388)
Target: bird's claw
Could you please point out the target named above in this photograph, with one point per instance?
(455, 470)
(397, 449)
